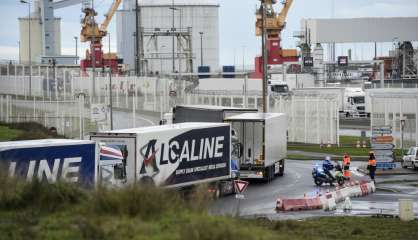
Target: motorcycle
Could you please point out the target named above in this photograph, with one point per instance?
(320, 177)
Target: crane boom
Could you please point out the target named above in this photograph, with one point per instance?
(274, 22)
(281, 19)
(109, 15)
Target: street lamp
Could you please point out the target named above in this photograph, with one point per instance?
(76, 46)
(173, 30)
(161, 61)
(30, 54)
(201, 48)
(110, 99)
(20, 57)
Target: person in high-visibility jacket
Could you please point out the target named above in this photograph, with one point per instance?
(371, 166)
(346, 165)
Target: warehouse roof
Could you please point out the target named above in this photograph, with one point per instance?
(179, 2)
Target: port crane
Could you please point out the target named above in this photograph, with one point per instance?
(93, 33)
(274, 25)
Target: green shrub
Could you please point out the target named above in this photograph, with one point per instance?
(19, 194)
(146, 202)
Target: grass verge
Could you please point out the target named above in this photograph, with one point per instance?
(25, 131)
(7, 134)
(347, 145)
(62, 211)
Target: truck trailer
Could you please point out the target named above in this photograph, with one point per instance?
(205, 113)
(175, 155)
(259, 144)
(52, 160)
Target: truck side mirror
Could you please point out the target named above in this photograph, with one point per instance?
(249, 152)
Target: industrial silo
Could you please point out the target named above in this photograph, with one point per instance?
(36, 36)
(201, 16)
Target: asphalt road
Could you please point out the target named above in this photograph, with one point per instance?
(260, 198)
(122, 120)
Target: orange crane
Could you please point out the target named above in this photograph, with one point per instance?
(274, 25)
(91, 32)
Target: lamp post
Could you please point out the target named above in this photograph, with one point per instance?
(20, 57)
(30, 53)
(110, 99)
(173, 30)
(201, 48)
(76, 49)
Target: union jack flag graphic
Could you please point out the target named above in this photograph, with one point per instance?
(110, 153)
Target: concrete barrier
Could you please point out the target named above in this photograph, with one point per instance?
(329, 200)
(298, 204)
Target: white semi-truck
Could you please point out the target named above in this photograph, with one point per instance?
(259, 144)
(175, 155)
(268, 131)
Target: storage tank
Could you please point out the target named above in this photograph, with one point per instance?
(200, 15)
(36, 45)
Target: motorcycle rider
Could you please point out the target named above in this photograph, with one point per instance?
(328, 167)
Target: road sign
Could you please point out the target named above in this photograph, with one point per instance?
(382, 128)
(383, 146)
(308, 62)
(98, 112)
(380, 152)
(239, 196)
(385, 165)
(342, 61)
(240, 185)
(382, 139)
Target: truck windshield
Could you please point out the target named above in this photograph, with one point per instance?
(358, 100)
(280, 88)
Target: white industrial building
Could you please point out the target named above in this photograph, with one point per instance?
(199, 15)
(36, 37)
(357, 30)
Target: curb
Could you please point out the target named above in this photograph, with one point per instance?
(387, 189)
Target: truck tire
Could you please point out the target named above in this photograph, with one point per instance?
(148, 181)
(269, 173)
(281, 170)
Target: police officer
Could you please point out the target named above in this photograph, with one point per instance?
(371, 166)
(346, 165)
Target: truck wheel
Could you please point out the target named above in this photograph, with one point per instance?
(415, 167)
(269, 173)
(403, 165)
(147, 181)
(281, 169)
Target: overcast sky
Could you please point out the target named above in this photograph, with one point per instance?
(236, 24)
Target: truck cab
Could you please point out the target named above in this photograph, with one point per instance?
(278, 88)
(355, 102)
(410, 159)
(112, 164)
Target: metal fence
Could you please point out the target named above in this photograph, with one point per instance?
(397, 108)
(63, 98)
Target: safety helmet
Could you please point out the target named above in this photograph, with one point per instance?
(328, 158)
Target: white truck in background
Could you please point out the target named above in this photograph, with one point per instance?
(351, 101)
(259, 144)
